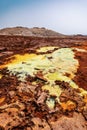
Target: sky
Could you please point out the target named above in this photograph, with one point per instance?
(63, 16)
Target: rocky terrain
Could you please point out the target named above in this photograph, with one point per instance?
(26, 102)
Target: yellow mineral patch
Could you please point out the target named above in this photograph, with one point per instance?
(53, 90)
(34, 83)
(69, 105)
(65, 62)
(51, 77)
(47, 48)
(1, 76)
(17, 59)
(27, 64)
(85, 98)
(82, 92)
(2, 100)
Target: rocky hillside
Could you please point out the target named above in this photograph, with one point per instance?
(24, 31)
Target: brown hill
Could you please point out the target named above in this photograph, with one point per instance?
(24, 31)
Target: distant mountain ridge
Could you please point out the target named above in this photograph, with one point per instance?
(24, 31)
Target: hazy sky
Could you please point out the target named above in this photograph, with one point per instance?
(64, 16)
